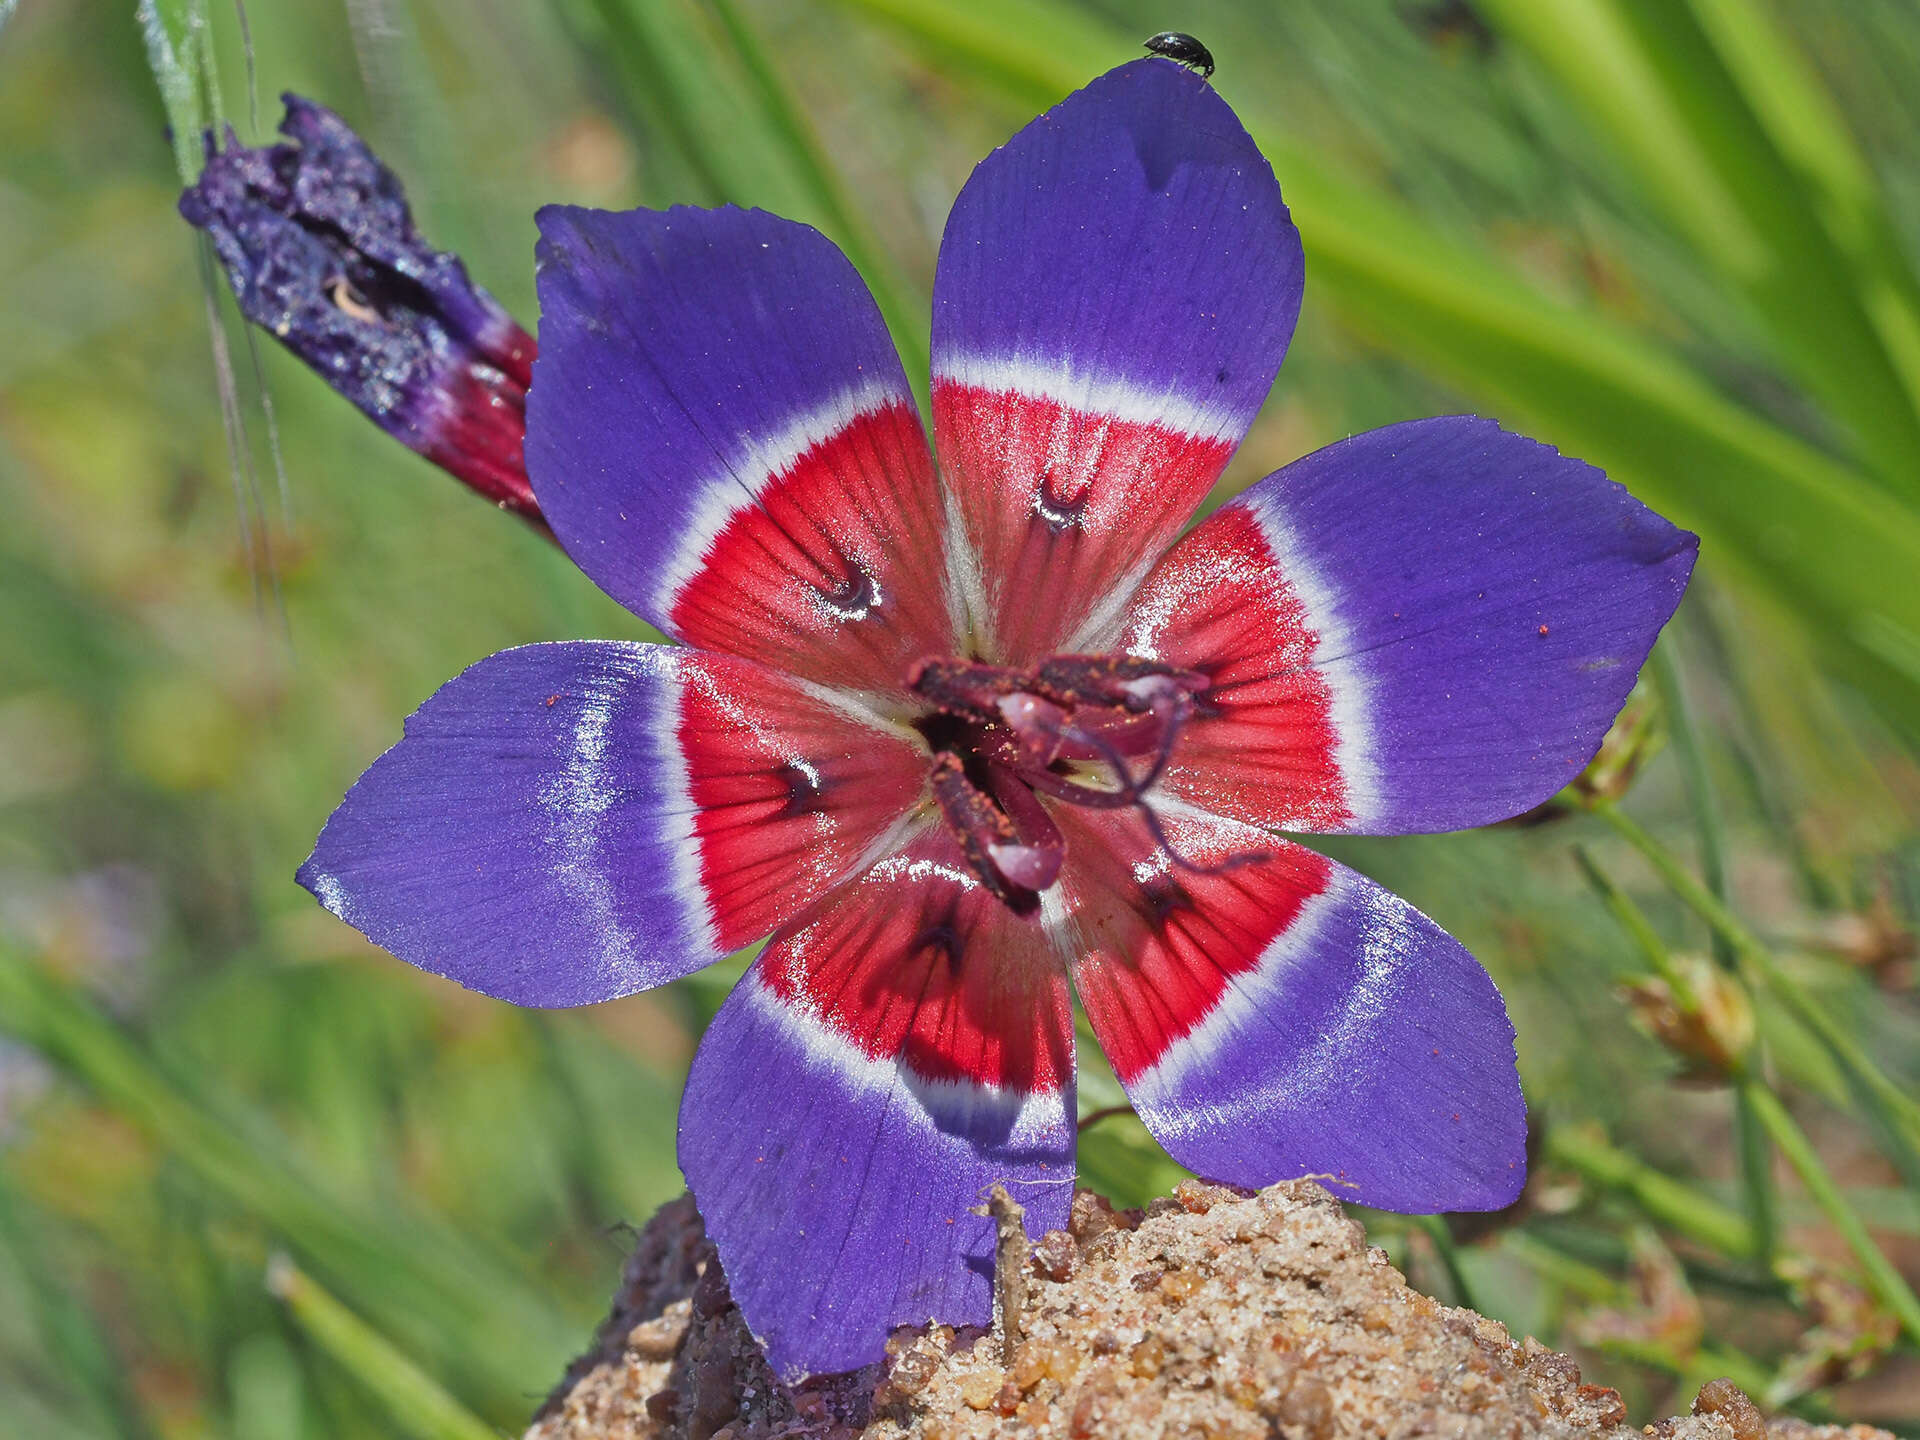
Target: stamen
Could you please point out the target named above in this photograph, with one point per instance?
(999, 736)
(1038, 724)
(982, 827)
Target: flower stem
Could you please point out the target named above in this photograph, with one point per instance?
(1672, 1202)
(1875, 1088)
(1885, 1280)
(1754, 1152)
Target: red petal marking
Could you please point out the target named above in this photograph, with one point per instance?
(1264, 743)
(834, 570)
(1117, 491)
(787, 792)
(916, 960)
(1159, 945)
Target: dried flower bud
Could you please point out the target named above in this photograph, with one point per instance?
(1876, 939)
(320, 248)
(1851, 1331)
(1712, 1033)
(1635, 738)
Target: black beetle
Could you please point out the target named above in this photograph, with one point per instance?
(1184, 49)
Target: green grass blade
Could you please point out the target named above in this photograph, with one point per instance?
(176, 35)
(69, 1334)
(1650, 79)
(1693, 769)
(702, 97)
(419, 1407)
(1791, 519)
(1884, 1279)
(504, 1335)
(1799, 116)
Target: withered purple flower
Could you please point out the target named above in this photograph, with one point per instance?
(320, 247)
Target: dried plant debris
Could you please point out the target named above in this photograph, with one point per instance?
(1213, 1315)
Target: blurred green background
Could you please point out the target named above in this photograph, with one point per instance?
(1677, 237)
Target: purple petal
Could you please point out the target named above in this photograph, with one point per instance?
(566, 823)
(1285, 1016)
(1426, 627)
(1116, 289)
(721, 435)
(876, 1070)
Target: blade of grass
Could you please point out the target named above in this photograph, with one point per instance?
(175, 52)
(1885, 1281)
(908, 313)
(418, 1405)
(1649, 78)
(1793, 520)
(69, 1333)
(1547, 1260)
(446, 1296)
(1693, 770)
(1806, 127)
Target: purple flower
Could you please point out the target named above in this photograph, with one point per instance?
(960, 738)
(320, 249)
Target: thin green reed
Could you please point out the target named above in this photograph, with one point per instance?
(1882, 1276)
(418, 1406)
(477, 1317)
(1750, 1140)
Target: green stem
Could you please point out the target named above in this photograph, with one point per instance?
(1673, 1203)
(1885, 1280)
(1755, 1157)
(418, 1405)
(1634, 921)
(1754, 1154)
(1693, 768)
(1435, 1229)
(1874, 1084)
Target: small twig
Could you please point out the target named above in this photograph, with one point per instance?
(1010, 1250)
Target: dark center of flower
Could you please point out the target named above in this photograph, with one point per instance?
(1093, 730)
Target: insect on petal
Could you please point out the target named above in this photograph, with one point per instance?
(1116, 288)
(1426, 627)
(720, 433)
(1285, 1016)
(566, 823)
(889, 1056)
